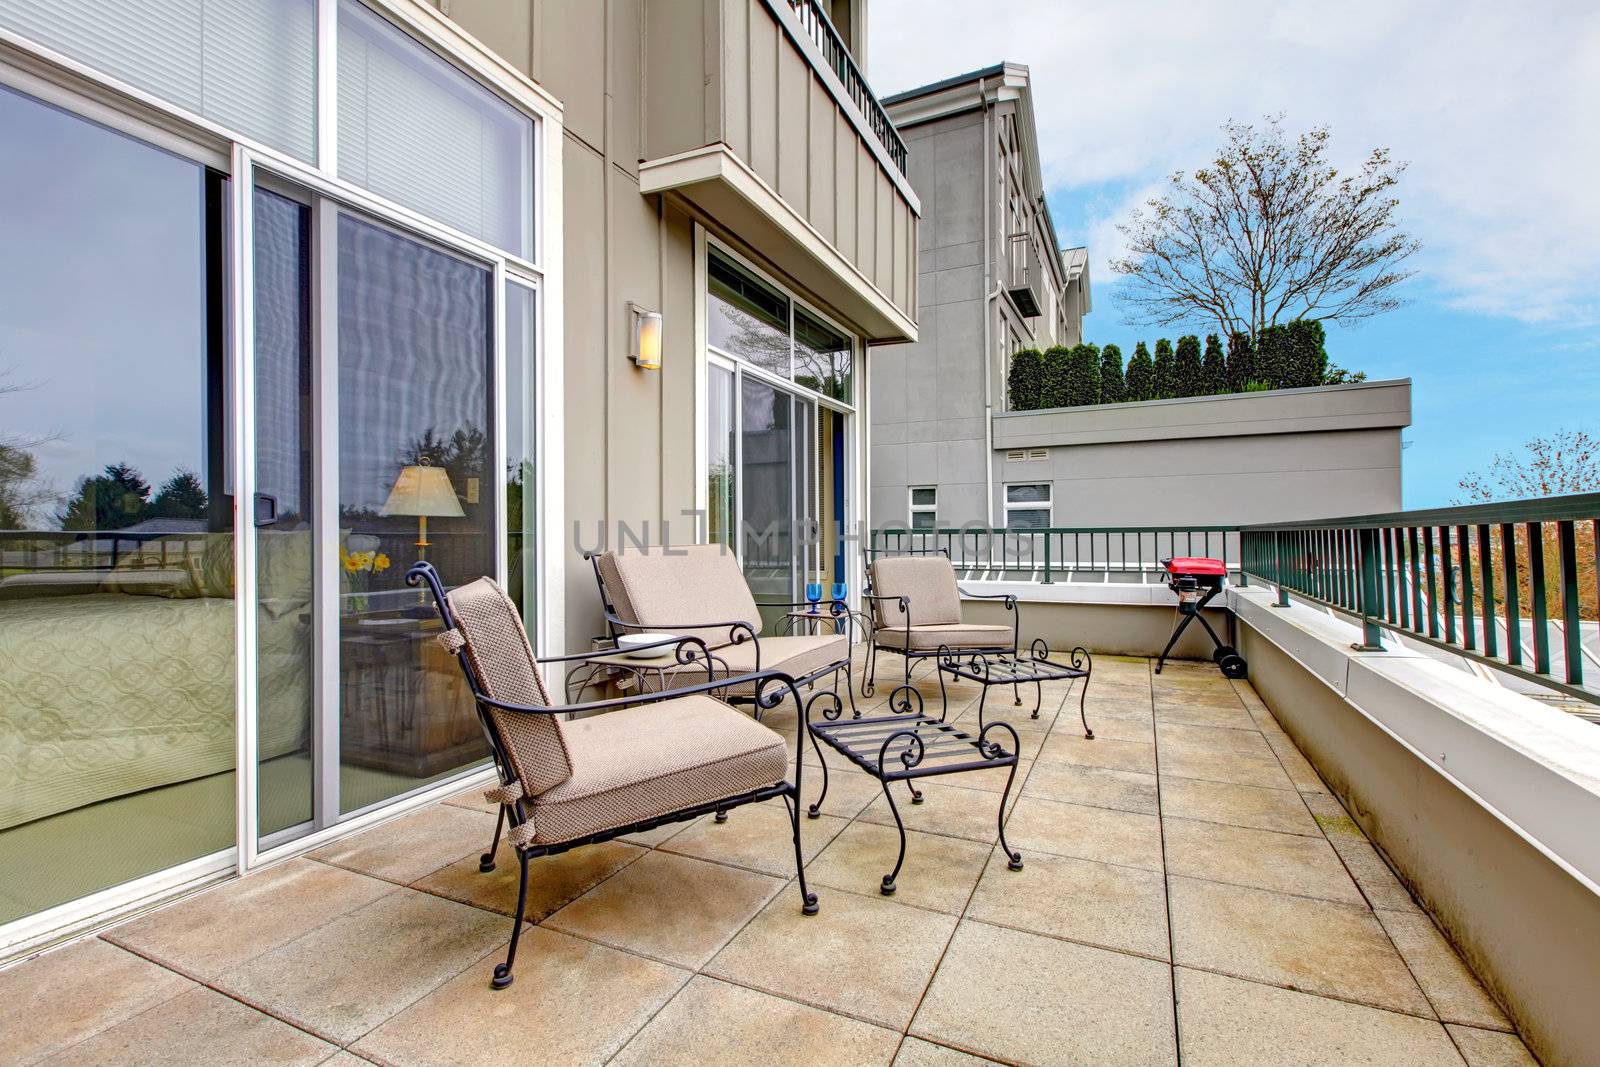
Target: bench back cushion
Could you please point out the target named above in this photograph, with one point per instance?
(501, 659)
(661, 589)
(929, 582)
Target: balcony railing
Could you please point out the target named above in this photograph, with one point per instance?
(1063, 553)
(814, 20)
(1515, 586)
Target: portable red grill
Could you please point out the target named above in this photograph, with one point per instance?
(1196, 580)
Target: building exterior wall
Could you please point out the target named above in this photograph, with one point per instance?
(1203, 461)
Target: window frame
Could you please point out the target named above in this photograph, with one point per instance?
(1048, 505)
(915, 509)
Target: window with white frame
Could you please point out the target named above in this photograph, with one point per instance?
(924, 507)
(1028, 505)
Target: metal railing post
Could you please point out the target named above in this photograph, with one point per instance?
(1371, 631)
(1048, 580)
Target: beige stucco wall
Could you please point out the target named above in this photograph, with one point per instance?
(1528, 928)
(1115, 629)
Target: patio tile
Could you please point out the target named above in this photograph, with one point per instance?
(1212, 738)
(1318, 946)
(915, 1052)
(473, 799)
(1295, 765)
(70, 994)
(671, 908)
(992, 780)
(939, 872)
(1452, 989)
(1101, 834)
(1097, 903)
(652, 838)
(1129, 704)
(1286, 863)
(1099, 787)
(711, 1022)
(757, 837)
(868, 957)
(211, 932)
(1237, 805)
(1182, 757)
(571, 1002)
(1072, 747)
(413, 845)
(1186, 709)
(1225, 1022)
(343, 979)
(1490, 1048)
(945, 809)
(200, 1026)
(1381, 886)
(553, 881)
(1029, 999)
(1113, 728)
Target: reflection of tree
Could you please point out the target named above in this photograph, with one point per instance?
(20, 488)
(119, 497)
(719, 503)
(463, 455)
(182, 497)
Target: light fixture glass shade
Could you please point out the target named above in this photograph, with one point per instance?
(423, 490)
(647, 326)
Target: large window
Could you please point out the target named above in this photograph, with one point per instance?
(753, 320)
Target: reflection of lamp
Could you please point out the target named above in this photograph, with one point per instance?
(423, 491)
(646, 345)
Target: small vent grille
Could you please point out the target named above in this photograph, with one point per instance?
(1019, 455)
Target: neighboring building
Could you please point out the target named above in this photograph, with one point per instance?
(992, 279)
(373, 270)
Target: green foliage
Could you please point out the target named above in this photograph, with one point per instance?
(1056, 361)
(1213, 369)
(1025, 380)
(1337, 375)
(1186, 374)
(1166, 379)
(1113, 390)
(1256, 385)
(1083, 376)
(17, 471)
(1274, 357)
(181, 497)
(1308, 354)
(1140, 383)
(114, 500)
(1241, 361)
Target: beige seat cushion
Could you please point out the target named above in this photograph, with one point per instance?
(795, 656)
(949, 635)
(647, 761)
(662, 589)
(928, 582)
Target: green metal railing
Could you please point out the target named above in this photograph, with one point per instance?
(1062, 553)
(1514, 585)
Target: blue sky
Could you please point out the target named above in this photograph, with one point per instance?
(1496, 110)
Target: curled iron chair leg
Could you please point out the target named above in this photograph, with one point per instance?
(502, 971)
(850, 691)
(1083, 694)
(1016, 697)
(869, 676)
(486, 861)
(916, 794)
(721, 816)
(815, 810)
(1038, 697)
(1013, 858)
(808, 899)
(887, 887)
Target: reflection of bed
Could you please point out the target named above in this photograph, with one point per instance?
(103, 694)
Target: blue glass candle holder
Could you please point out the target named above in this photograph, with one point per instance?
(813, 594)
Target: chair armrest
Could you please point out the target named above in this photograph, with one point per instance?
(738, 630)
(1009, 598)
(765, 683)
(675, 642)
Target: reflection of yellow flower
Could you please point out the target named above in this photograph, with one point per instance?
(355, 562)
(381, 563)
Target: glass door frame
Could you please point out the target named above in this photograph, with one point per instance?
(249, 168)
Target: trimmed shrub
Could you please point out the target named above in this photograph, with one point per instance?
(1025, 379)
(1055, 393)
(1112, 388)
(1083, 376)
(1213, 369)
(1140, 383)
(1165, 380)
(1308, 354)
(1187, 379)
(1241, 361)
(1274, 357)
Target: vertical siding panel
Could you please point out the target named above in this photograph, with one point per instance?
(897, 253)
(794, 118)
(821, 205)
(883, 262)
(866, 209)
(762, 63)
(844, 169)
(736, 76)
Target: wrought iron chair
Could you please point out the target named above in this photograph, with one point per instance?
(915, 605)
(652, 758)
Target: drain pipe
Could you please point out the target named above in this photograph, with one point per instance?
(991, 289)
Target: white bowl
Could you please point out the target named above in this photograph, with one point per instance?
(628, 645)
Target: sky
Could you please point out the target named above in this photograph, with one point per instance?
(1494, 107)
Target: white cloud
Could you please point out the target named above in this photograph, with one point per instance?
(1495, 106)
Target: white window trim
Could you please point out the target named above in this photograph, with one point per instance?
(916, 509)
(82, 90)
(1048, 505)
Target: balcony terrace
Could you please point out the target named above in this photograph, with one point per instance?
(1192, 888)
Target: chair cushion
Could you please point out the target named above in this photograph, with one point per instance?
(929, 582)
(949, 635)
(497, 650)
(796, 656)
(654, 759)
(663, 588)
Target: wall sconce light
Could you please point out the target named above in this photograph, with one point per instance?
(646, 350)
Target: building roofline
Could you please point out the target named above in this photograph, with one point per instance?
(944, 83)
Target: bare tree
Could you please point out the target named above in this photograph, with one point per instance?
(1567, 461)
(1269, 232)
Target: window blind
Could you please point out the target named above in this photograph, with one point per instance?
(415, 129)
(248, 65)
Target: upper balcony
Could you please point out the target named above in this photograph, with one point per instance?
(758, 117)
